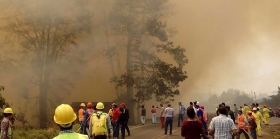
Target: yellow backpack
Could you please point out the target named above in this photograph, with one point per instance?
(99, 126)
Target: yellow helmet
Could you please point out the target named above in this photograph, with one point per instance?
(8, 110)
(83, 105)
(100, 106)
(64, 114)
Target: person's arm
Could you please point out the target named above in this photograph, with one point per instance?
(109, 125)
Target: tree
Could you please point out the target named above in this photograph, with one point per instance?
(140, 22)
(273, 100)
(45, 31)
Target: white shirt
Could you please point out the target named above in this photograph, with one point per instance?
(169, 112)
(162, 112)
(195, 110)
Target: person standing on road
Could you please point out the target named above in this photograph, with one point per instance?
(222, 127)
(115, 121)
(252, 125)
(88, 113)
(204, 120)
(182, 110)
(230, 113)
(169, 114)
(154, 115)
(143, 115)
(162, 116)
(81, 113)
(192, 128)
(259, 118)
(242, 125)
(65, 117)
(266, 116)
(123, 119)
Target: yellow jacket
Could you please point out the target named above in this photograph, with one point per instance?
(258, 116)
(110, 113)
(245, 109)
(265, 112)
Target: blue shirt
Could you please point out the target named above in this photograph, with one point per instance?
(182, 109)
(200, 114)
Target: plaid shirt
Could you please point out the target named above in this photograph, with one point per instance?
(222, 126)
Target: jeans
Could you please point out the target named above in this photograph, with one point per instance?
(168, 121)
(242, 131)
(253, 133)
(180, 119)
(162, 122)
(100, 137)
(154, 118)
(123, 127)
(142, 118)
(116, 129)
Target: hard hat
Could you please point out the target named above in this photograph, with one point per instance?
(122, 104)
(89, 104)
(100, 106)
(249, 112)
(64, 115)
(254, 109)
(82, 105)
(197, 103)
(8, 110)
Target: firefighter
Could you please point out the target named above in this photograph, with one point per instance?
(6, 124)
(81, 113)
(65, 117)
(266, 114)
(259, 118)
(88, 114)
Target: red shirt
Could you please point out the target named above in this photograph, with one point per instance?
(153, 110)
(192, 129)
(115, 115)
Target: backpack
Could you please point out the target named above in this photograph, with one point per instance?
(98, 121)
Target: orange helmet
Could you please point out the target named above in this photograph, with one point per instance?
(249, 112)
(89, 104)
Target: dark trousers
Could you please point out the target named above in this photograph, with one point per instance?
(100, 137)
(84, 129)
(168, 121)
(124, 127)
(253, 133)
(180, 119)
(116, 129)
(242, 131)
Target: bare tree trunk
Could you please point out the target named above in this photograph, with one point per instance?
(121, 90)
(43, 105)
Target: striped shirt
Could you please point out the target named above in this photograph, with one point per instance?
(169, 112)
(222, 126)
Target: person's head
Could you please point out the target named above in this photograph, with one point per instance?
(191, 112)
(241, 106)
(179, 103)
(220, 105)
(100, 106)
(194, 103)
(153, 106)
(249, 113)
(245, 104)
(168, 105)
(257, 104)
(197, 106)
(234, 104)
(8, 113)
(82, 105)
(113, 105)
(64, 117)
(142, 106)
(228, 108)
(255, 109)
(240, 112)
(191, 103)
(222, 110)
(264, 106)
(161, 105)
(123, 105)
(253, 104)
(89, 105)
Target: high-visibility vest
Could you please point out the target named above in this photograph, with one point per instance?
(81, 114)
(90, 112)
(241, 123)
(71, 136)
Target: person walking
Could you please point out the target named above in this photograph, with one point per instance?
(242, 125)
(222, 127)
(246, 108)
(162, 116)
(169, 114)
(235, 111)
(182, 111)
(192, 128)
(154, 115)
(100, 124)
(259, 118)
(123, 119)
(115, 121)
(266, 114)
(81, 113)
(143, 115)
(230, 113)
(6, 124)
(64, 117)
(252, 125)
